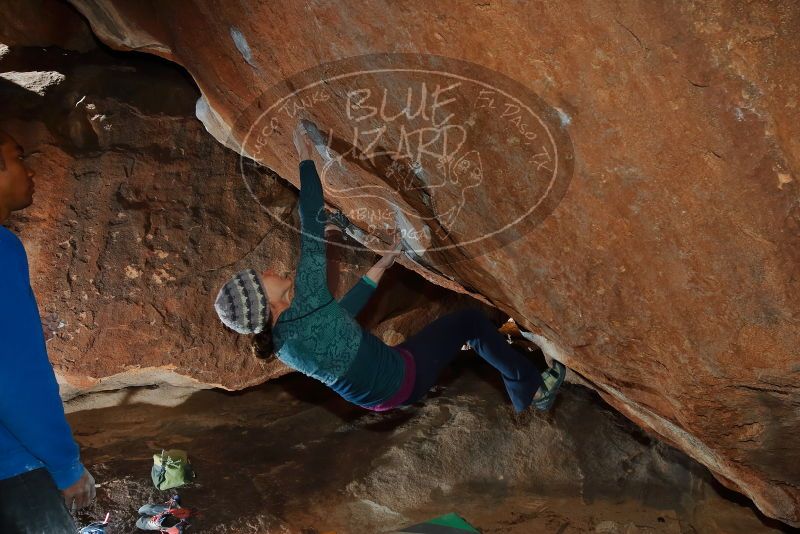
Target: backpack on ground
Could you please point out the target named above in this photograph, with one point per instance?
(171, 469)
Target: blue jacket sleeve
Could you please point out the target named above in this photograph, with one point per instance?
(312, 214)
(355, 299)
(311, 286)
(30, 404)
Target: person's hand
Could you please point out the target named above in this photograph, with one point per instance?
(80, 494)
(301, 140)
(305, 136)
(311, 130)
(387, 260)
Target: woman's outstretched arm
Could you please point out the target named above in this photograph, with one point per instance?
(359, 294)
(357, 297)
(312, 214)
(333, 251)
(386, 261)
(311, 289)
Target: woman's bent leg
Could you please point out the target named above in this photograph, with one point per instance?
(434, 348)
(437, 345)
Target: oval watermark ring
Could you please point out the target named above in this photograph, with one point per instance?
(447, 153)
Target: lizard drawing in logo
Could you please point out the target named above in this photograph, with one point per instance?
(456, 175)
(463, 174)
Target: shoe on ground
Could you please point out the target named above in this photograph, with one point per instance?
(163, 522)
(155, 509)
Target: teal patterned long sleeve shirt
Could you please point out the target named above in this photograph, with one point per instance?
(318, 335)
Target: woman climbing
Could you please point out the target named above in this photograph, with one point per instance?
(319, 336)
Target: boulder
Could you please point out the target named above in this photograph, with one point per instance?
(637, 210)
(140, 216)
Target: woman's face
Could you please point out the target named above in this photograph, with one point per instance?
(278, 288)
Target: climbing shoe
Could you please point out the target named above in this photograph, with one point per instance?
(155, 509)
(163, 522)
(98, 527)
(551, 382)
(168, 517)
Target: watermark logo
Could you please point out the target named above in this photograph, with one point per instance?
(454, 158)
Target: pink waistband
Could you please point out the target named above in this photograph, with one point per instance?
(406, 386)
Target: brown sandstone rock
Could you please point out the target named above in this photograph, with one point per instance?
(667, 275)
(139, 217)
(44, 23)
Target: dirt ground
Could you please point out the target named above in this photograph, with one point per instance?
(292, 457)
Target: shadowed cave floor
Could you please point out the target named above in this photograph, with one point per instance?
(290, 456)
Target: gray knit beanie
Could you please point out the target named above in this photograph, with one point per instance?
(242, 303)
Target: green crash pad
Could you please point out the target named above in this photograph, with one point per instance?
(446, 524)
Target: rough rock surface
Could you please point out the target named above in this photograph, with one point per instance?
(264, 464)
(139, 217)
(667, 276)
(44, 23)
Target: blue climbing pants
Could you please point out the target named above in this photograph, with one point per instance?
(437, 345)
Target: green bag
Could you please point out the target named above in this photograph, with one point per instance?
(171, 469)
(446, 524)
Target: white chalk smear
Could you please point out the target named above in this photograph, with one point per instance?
(565, 119)
(241, 45)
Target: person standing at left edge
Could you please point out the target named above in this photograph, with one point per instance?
(41, 474)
